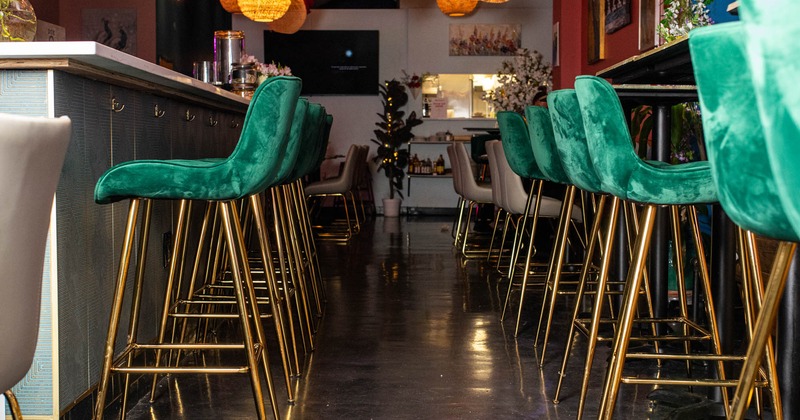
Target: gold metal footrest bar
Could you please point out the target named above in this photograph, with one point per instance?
(682, 357)
(685, 382)
(181, 370)
(188, 346)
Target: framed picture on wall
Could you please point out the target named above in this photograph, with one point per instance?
(115, 28)
(618, 14)
(484, 39)
(595, 47)
(648, 24)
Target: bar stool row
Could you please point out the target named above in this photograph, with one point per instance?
(585, 134)
(244, 271)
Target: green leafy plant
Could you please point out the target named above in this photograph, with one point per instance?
(393, 134)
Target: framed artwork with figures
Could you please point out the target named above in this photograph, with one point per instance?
(618, 14)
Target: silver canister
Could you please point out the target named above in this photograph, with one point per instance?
(205, 71)
(228, 50)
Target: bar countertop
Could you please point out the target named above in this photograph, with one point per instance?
(101, 62)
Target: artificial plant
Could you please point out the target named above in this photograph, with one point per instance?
(393, 134)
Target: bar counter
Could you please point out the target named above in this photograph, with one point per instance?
(122, 108)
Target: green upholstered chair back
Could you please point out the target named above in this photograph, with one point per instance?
(262, 145)
(252, 165)
(312, 140)
(543, 143)
(610, 144)
(517, 145)
(570, 139)
(296, 140)
(620, 169)
(772, 32)
(326, 135)
(734, 136)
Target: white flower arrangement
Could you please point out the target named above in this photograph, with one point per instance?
(523, 80)
(265, 71)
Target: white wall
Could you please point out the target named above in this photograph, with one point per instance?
(413, 38)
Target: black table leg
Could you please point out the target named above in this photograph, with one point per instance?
(723, 280)
(658, 268)
(788, 334)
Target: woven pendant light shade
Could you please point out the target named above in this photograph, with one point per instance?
(293, 20)
(264, 10)
(230, 6)
(456, 8)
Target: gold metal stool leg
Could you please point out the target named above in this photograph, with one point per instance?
(240, 272)
(762, 329)
(272, 289)
(116, 307)
(16, 412)
(614, 372)
(557, 261)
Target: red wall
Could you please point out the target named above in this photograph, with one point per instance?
(46, 10)
(573, 18)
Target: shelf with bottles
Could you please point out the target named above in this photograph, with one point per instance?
(428, 166)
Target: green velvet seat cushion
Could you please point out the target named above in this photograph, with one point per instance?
(772, 32)
(517, 145)
(253, 163)
(570, 139)
(621, 171)
(543, 144)
(312, 141)
(734, 136)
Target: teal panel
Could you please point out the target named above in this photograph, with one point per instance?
(24, 92)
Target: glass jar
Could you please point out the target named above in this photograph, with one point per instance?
(245, 90)
(243, 73)
(17, 20)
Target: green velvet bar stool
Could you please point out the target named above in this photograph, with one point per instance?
(653, 184)
(746, 180)
(215, 297)
(249, 169)
(546, 153)
(573, 150)
(519, 154)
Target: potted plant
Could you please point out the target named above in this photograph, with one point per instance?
(392, 135)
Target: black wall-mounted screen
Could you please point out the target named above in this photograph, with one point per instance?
(329, 62)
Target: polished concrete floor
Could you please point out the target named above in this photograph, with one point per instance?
(413, 331)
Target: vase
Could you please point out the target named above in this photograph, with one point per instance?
(17, 21)
(391, 207)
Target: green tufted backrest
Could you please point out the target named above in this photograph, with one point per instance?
(570, 139)
(772, 33)
(734, 136)
(610, 144)
(296, 140)
(312, 138)
(543, 142)
(517, 145)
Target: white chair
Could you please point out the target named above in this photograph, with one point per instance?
(342, 186)
(32, 153)
(472, 192)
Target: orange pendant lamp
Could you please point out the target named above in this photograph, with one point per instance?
(293, 20)
(264, 10)
(456, 8)
(230, 6)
